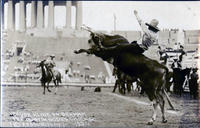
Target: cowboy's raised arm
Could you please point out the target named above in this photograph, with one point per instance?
(142, 24)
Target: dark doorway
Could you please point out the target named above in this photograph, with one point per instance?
(19, 50)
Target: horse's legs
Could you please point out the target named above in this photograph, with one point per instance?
(124, 88)
(115, 86)
(138, 88)
(119, 83)
(56, 85)
(48, 87)
(129, 86)
(180, 89)
(155, 108)
(44, 88)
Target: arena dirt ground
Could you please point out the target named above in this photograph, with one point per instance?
(27, 106)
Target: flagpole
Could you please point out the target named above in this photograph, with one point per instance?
(114, 22)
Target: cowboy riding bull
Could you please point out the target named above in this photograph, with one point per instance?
(128, 58)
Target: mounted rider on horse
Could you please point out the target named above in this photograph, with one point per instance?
(48, 73)
(50, 65)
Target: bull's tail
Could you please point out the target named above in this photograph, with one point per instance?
(167, 78)
(169, 100)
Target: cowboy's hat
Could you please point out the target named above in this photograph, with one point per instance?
(175, 59)
(181, 46)
(153, 24)
(52, 56)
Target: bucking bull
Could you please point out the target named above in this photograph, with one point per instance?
(152, 74)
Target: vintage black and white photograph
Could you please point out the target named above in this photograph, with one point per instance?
(100, 64)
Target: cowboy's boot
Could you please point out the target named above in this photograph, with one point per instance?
(54, 78)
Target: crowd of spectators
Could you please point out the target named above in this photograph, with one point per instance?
(23, 68)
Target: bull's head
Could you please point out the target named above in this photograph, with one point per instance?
(95, 37)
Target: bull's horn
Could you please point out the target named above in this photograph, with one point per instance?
(84, 27)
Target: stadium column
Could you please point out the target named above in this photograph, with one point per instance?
(33, 14)
(11, 15)
(2, 15)
(22, 19)
(68, 14)
(78, 14)
(40, 14)
(51, 15)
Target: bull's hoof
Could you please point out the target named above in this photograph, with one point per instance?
(75, 51)
(172, 109)
(43, 93)
(150, 123)
(49, 90)
(164, 121)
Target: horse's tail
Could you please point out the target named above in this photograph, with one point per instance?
(59, 77)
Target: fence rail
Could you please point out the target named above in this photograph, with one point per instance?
(62, 84)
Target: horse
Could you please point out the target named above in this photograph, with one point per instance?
(123, 81)
(150, 72)
(120, 83)
(47, 77)
(193, 83)
(179, 78)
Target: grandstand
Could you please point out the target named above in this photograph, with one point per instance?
(63, 48)
(191, 40)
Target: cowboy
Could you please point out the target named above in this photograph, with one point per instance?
(150, 32)
(160, 52)
(163, 55)
(50, 65)
(150, 36)
(182, 53)
(175, 46)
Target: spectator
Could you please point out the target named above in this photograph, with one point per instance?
(182, 53)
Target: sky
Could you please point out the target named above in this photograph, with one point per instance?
(100, 14)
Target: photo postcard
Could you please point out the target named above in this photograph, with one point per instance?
(100, 63)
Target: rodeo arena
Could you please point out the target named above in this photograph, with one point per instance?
(82, 77)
